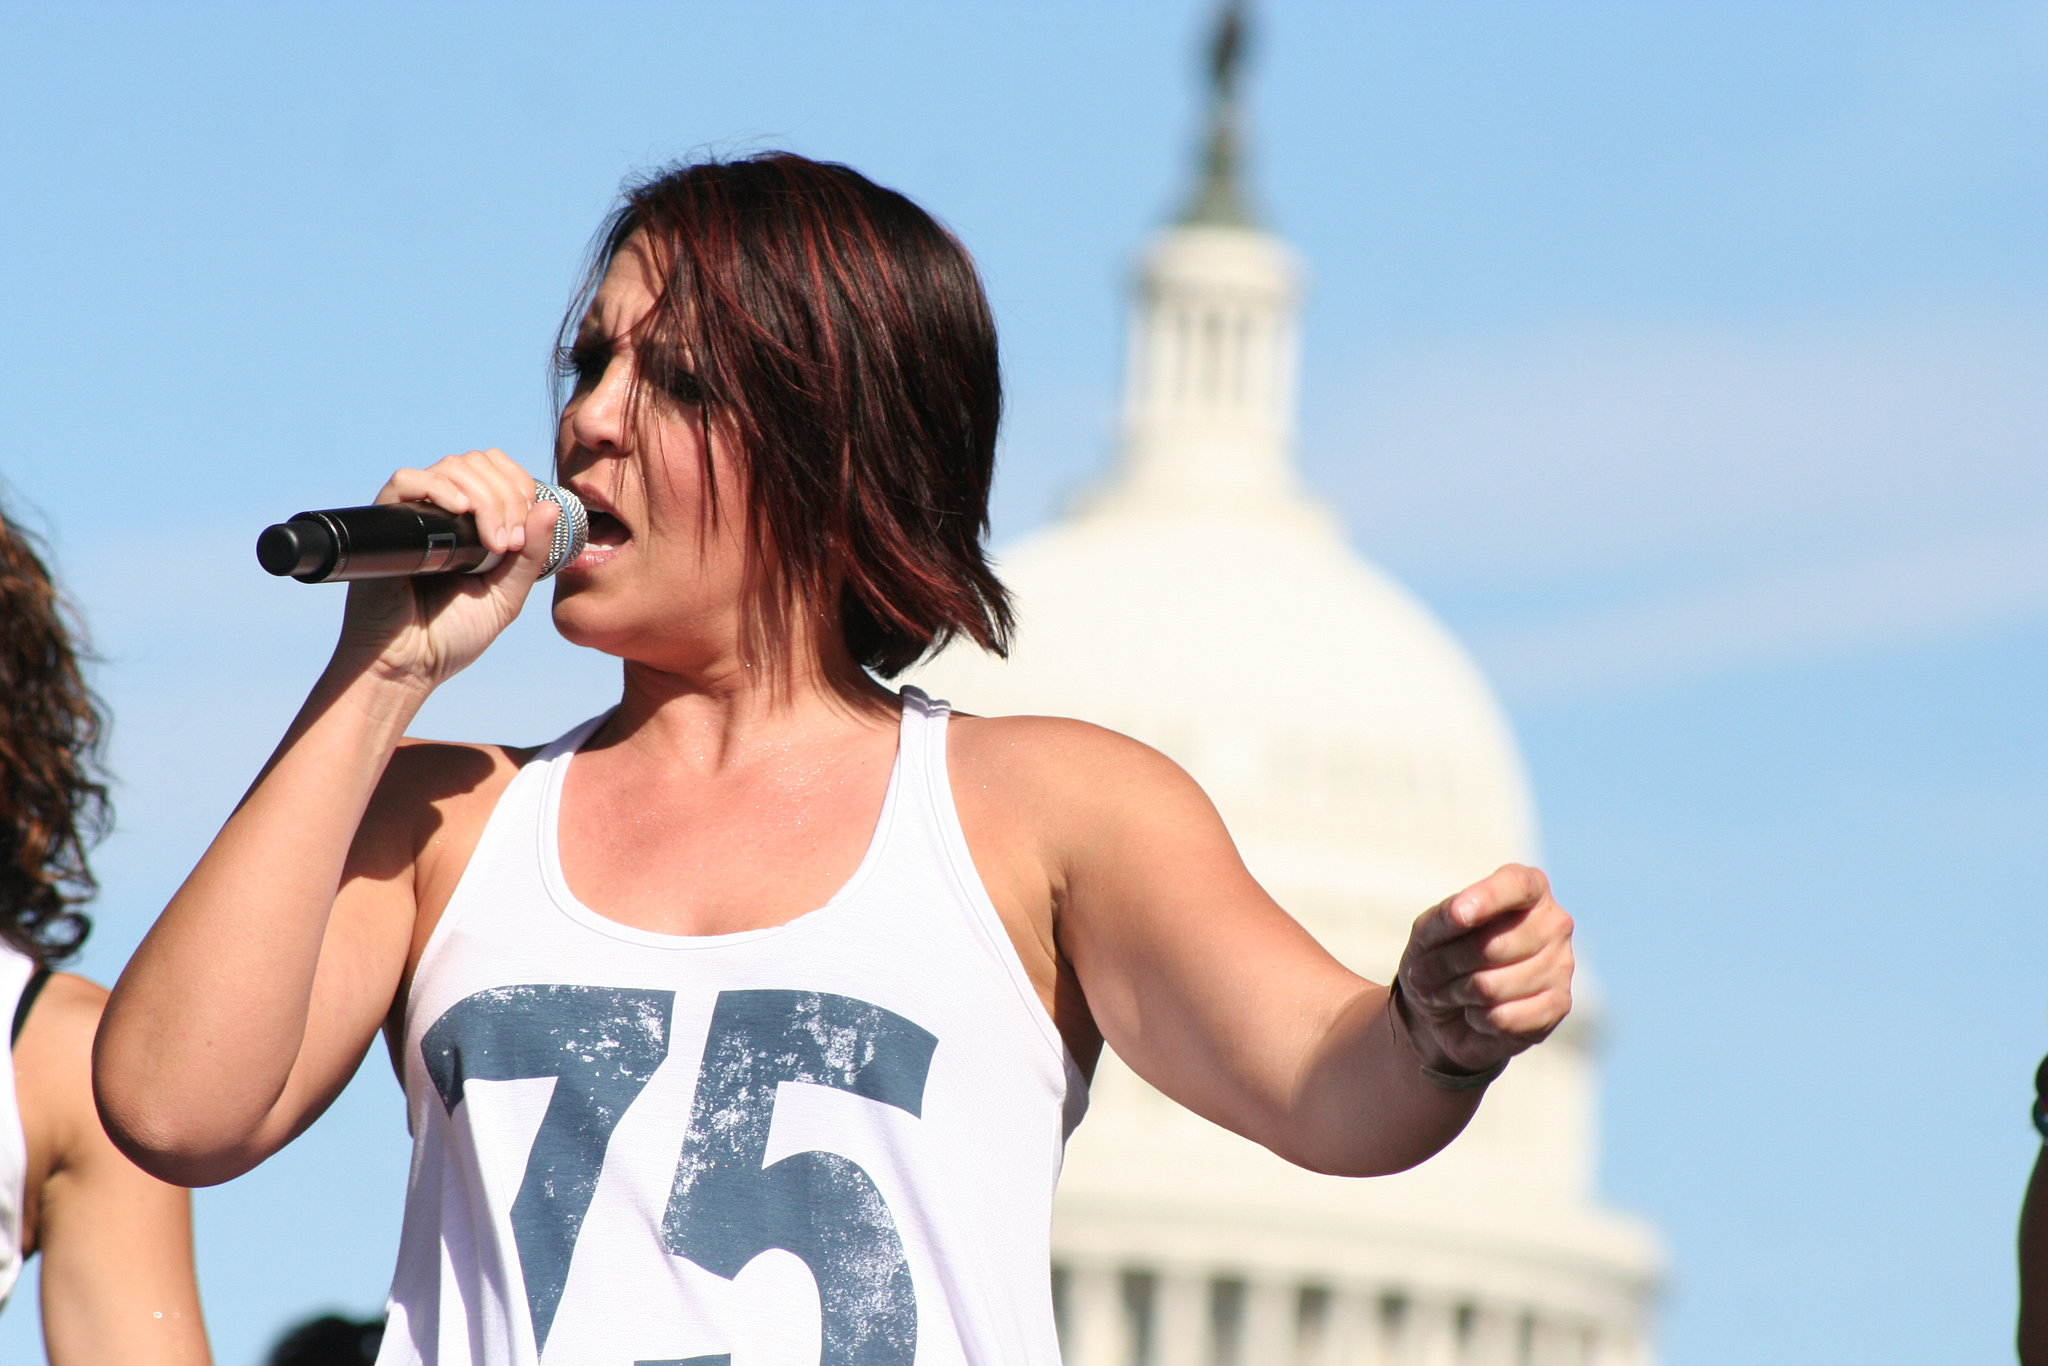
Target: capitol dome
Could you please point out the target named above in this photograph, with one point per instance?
(1353, 748)
(1201, 600)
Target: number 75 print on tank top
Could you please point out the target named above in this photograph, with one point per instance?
(728, 1205)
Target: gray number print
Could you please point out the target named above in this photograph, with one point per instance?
(601, 1044)
(726, 1208)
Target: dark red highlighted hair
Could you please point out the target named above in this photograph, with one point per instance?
(838, 337)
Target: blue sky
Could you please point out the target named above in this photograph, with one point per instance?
(1688, 358)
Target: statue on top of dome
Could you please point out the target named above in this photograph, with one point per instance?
(1219, 196)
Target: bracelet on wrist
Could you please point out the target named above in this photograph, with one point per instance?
(1463, 1081)
(1441, 1078)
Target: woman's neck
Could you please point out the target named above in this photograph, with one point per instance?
(726, 709)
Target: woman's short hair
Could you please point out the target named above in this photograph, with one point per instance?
(838, 337)
(52, 808)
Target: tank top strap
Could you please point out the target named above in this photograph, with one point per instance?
(516, 844)
(921, 753)
(17, 971)
(566, 745)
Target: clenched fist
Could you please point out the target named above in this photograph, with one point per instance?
(1487, 973)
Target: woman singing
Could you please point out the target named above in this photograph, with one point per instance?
(767, 959)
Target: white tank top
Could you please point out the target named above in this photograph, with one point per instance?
(831, 1141)
(16, 969)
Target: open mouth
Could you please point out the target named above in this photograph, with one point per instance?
(607, 530)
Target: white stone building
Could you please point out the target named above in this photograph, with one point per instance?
(1203, 601)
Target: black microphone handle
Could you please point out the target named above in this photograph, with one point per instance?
(398, 540)
(383, 541)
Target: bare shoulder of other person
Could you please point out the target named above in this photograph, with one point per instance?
(118, 1281)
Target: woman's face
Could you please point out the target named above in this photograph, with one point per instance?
(662, 581)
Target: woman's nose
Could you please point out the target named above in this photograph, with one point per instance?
(598, 419)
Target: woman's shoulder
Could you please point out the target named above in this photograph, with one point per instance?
(429, 813)
(442, 776)
(1035, 759)
(1055, 736)
(1044, 800)
(435, 768)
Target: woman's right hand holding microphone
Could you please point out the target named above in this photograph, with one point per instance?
(423, 630)
(249, 1004)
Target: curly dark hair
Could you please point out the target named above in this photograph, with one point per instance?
(52, 805)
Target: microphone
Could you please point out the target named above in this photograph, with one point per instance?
(398, 540)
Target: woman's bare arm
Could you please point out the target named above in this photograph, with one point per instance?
(1216, 996)
(254, 997)
(116, 1244)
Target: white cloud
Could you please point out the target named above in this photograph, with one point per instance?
(1909, 594)
(1589, 453)
(1811, 490)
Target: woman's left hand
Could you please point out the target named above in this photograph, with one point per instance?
(1488, 972)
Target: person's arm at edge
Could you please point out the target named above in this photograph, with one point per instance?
(2033, 1240)
(117, 1277)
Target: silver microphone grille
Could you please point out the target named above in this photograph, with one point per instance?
(572, 528)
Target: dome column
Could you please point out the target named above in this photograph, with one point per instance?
(1266, 1336)
(1617, 1345)
(1356, 1331)
(1428, 1334)
(1493, 1338)
(1553, 1344)
(1182, 1334)
(1098, 1327)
